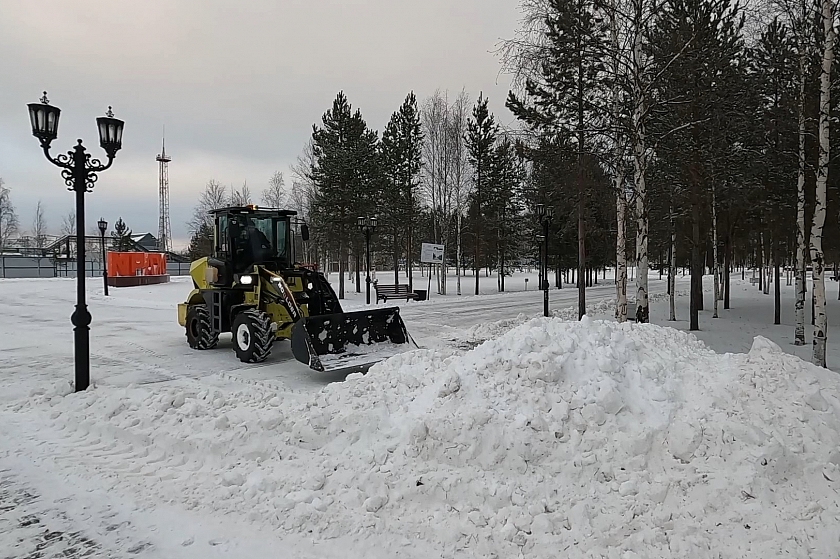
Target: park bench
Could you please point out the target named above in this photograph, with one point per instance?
(393, 291)
(631, 311)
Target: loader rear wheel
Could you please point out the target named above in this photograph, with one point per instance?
(252, 336)
(200, 334)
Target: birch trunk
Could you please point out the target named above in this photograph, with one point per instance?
(672, 279)
(640, 168)
(342, 266)
(458, 252)
(672, 264)
(799, 329)
(715, 275)
(621, 253)
(817, 257)
(618, 185)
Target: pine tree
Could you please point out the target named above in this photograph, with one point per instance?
(345, 172)
(702, 86)
(481, 136)
(503, 203)
(121, 236)
(400, 156)
(774, 70)
(564, 95)
(201, 242)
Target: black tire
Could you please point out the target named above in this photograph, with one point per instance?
(200, 334)
(252, 336)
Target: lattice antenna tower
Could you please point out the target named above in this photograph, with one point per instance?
(164, 225)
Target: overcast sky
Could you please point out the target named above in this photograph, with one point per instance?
(237, 84)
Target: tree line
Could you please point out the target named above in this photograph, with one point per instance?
(708, 125)
(663, 133)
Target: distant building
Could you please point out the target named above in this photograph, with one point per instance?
(146, 240)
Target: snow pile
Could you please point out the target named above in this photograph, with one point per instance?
(489, 330)
(578, 439)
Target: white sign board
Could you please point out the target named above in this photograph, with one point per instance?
(431, 254)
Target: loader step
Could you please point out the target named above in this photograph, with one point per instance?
(386, 291)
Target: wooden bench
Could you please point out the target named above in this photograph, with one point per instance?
(393, 291)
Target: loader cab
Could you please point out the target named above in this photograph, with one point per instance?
(247, 236)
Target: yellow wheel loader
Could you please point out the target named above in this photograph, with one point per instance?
(252, 288)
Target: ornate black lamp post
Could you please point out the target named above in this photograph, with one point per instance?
(545, 215)
(103, 226)
(79, 174)
(368, 226)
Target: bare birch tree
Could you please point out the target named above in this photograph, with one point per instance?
(461, 173)
(8, 216)
(828, 9)
(799, 14)
(68, 223)
(241, 197)
(274, 196)
(435, 176)
(213, 197)
(39, 226)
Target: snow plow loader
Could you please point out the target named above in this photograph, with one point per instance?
(251, 289)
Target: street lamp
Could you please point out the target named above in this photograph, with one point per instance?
(103, 226)
(544, 214)
(367, 226)
(79, 174)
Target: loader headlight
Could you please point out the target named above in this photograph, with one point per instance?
(246, 280)
(309, 286)
(276, 279)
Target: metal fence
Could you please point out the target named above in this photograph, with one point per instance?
(26, 267)
(17, 266)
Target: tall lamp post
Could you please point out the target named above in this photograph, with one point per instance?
(79, 173)
(103, 226)
(368, 226)
(545, 215)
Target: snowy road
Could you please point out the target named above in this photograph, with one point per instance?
(135, 337)
(207, 457)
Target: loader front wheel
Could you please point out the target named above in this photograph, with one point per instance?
(200, 334)
(252, 336)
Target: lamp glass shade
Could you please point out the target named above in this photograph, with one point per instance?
(44, 121)
(373, 222)
(540, 210)
(110, 133)
(360, 221)
(103, 225)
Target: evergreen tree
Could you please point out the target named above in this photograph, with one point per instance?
(774, 76)
(345, 172)
(481, 136)
(565, 95)
(705, 93)
(201, 242)
(121, 236)
(400, 156)
(503, 203)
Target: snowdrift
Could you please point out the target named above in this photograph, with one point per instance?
(572, 439)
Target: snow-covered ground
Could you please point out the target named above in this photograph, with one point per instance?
(505, 435)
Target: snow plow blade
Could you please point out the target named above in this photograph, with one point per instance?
(350, 342)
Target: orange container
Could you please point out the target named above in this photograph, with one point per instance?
(124, 264)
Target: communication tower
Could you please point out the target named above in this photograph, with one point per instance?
(164, 226)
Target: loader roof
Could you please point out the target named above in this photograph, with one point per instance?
(253, 210)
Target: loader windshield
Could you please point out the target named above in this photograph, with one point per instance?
(258, 240)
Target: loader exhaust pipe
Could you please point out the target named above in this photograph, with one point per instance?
(350, 342)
